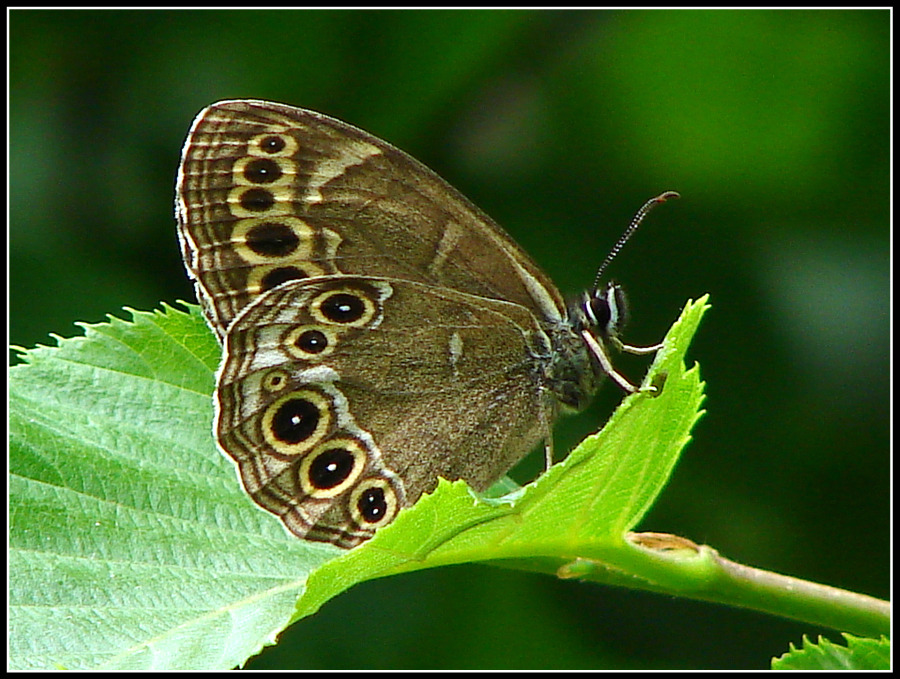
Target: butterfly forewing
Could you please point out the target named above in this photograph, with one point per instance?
(269, 193)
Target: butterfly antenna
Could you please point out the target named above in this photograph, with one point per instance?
(635, 223)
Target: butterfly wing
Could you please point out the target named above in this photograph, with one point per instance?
(343, 398)
(268, 193)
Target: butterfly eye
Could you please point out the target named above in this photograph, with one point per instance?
(332, 468)
(275, 380)
(271, 144)
(309, 342)
(271, 239)
(262, 171)
(599, 312)
(373, 503)
(296, 422)
(279, 145)
(345, 307)
(257, 200)
(282, 274)
(312, 342)
(605, 310)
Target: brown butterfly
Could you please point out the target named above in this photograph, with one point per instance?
(379, 331)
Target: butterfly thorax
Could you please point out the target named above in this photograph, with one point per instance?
(570, 373)
(574, 372)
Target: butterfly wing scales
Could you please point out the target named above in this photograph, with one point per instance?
(451, 407)
(349, 203)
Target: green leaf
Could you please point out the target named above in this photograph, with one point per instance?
(858, 654)
(133, 545)
(581, 507)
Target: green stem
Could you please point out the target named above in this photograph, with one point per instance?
(673, 565)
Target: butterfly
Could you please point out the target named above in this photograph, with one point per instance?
(379, 331)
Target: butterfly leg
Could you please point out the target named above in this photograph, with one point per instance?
(548, 453)
(547, 428)
(600, 352)
(637, 350)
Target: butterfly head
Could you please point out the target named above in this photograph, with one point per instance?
(602, 311)
(599, 315)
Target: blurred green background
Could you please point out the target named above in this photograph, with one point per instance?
(774, 126)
